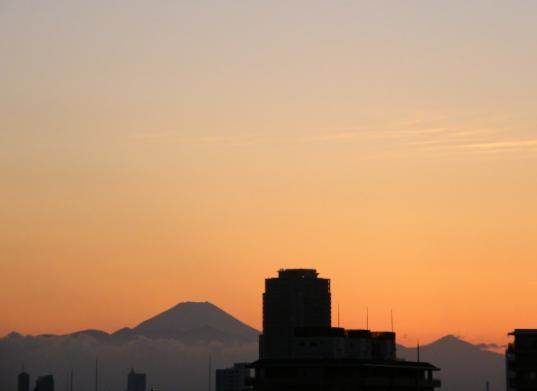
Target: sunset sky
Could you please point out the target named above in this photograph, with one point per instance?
(153, 152)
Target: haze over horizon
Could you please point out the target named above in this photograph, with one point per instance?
(153, 153)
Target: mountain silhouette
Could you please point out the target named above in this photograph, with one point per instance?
(464, 366)
(196, 320)
(189, 322)
(172, 348)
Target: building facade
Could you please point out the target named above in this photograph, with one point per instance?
(343, 375)
(336, 343)
(521, 361)
(297, 298)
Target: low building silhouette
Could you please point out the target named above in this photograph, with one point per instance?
(335, 342)
(136, 381)
(335, 359)
(342, 375)
(521, 361)
(44, 383)
(237, 378)
(23, 381)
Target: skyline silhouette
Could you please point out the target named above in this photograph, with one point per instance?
(203, 327)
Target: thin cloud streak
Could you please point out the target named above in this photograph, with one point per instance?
(426, 140)
(503, 145)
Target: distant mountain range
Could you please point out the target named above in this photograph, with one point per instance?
(196, 321)
(464, 366)
(189, 322)
(173, 348)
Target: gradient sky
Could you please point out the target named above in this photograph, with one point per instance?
(164, 151)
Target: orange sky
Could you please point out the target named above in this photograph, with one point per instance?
(187, 151)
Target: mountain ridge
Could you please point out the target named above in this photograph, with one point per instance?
(189, 332)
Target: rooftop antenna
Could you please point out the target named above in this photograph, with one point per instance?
(367, 318)
(96, 374)
(338, 315)
(391, 316)
(418, 350)
(210, 372)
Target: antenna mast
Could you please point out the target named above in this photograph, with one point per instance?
(96, 374)
(367, 318)
(210, 372)
(391, 316)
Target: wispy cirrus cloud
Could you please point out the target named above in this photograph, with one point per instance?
(438, 140)
(500, 146)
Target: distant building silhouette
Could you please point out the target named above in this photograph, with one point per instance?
(300, 351)
(23, 381)
(237, 378)
(44, 383)
(521, 360)
(296, 298)
(136, 381)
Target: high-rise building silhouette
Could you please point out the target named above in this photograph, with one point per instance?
(44, 383)
(300, 351)
(521, 360)
(23, 381)
(297, 298)
(136, 381)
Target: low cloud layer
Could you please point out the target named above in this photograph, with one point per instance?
(169, 364)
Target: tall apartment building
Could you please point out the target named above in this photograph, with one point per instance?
(297, 298)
